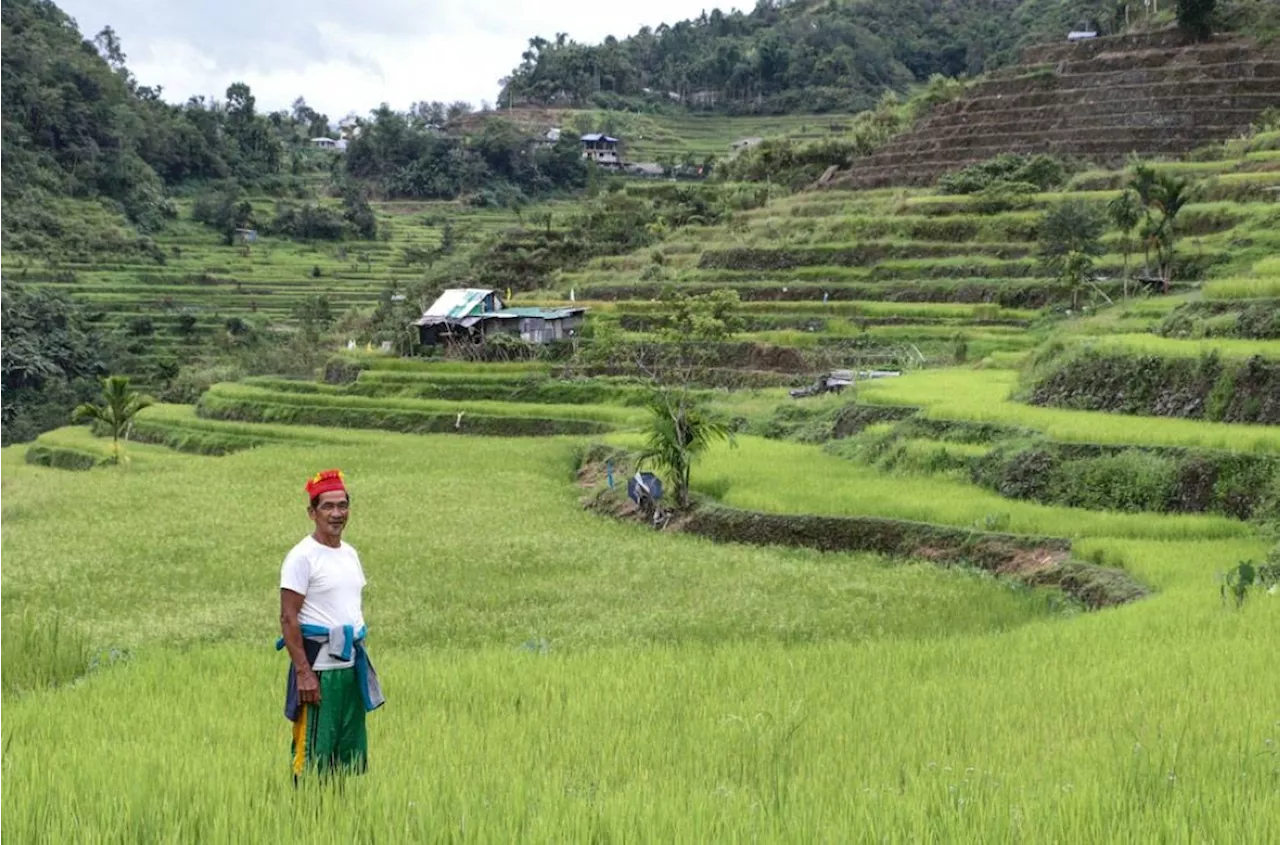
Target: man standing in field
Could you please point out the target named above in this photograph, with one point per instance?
(331, 682)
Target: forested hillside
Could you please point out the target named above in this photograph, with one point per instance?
(818, 55)
(78, 124)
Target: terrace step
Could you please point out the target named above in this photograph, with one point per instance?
(1104, 99)
(1104, 92)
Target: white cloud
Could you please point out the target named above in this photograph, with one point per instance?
(345, 56)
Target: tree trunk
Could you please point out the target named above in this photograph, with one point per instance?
(1125, 279)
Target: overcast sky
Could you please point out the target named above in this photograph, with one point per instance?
(352, 55)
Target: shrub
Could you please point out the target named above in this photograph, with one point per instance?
(1029, 476)
(1133, 480)
(1039, 173)
(308, 222)
(999, 197)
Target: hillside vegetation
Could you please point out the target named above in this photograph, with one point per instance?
(821, 56)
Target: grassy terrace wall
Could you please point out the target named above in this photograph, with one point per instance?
(61, 457)
(1207, 387)
(310, 405)
(1255, 319)
(1022, 464)
(1031, 559)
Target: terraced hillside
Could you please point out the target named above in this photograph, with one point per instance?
(1103, 99)
(187, 289)
(856, 274)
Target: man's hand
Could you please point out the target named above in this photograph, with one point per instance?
(308, 687)
(308, 683)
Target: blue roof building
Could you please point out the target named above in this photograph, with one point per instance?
(601, 148)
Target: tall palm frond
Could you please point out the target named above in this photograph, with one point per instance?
(677, 432)
(119, 406)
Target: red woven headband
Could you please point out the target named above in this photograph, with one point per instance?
(326, 481)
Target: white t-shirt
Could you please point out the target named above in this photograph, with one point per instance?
(331, 582)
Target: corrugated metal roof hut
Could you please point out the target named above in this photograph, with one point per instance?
(475, 313)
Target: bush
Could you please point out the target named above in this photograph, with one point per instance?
(308, 222)
(999, 197)
(224, 209)
(191, 382)
(1030, 476)
(1133, 480)
(1040, 173)
(339, 370)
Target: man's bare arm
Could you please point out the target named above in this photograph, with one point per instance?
(291, 630)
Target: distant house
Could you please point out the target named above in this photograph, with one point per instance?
(473, 314)
(1084, 31)
(330, 144)
(601, 149)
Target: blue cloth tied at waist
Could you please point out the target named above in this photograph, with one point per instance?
(345, 642)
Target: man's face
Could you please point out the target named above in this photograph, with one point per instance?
(330, 513)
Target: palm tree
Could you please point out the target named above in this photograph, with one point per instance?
(678, 431)
(1142, 181)
(1169, 195)
(1125, 212)
(119, 406)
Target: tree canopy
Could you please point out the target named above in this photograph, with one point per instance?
(52, 358)
(406, 156)
(805, 55)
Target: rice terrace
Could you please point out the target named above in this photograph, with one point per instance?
(831, 422)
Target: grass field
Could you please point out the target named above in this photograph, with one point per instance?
(555, 676)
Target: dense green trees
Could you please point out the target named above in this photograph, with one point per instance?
(77, 122)
(52, 360)
(794, 56)
(405, 155)
(1195, 18)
